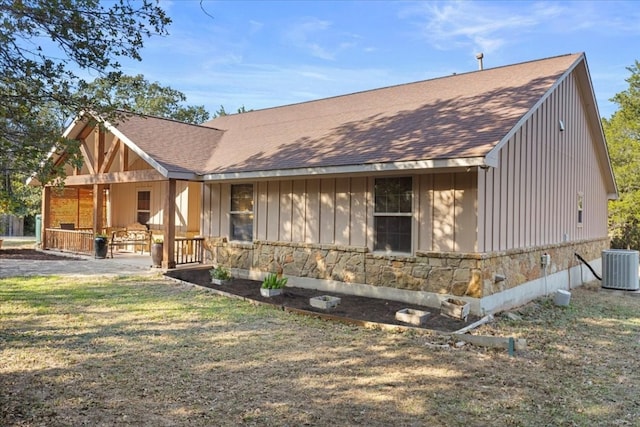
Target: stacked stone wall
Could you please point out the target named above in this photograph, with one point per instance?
(462, 274)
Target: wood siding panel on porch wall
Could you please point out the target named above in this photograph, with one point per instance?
(124, 204)
(543, 169)
(182, 206)
(195, 207)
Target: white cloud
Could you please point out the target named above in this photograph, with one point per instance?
(320, 39)
(301, 35)
(483, 26)
(255, 26)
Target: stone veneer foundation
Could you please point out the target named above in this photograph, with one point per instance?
(471, 275)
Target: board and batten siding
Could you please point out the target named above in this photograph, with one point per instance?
(339, 211)
(531, 198)
(125, 197)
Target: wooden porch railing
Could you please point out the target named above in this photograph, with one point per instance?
(79, 241)
(189, 250)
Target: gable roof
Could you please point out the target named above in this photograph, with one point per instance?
(450, 121)
(175, 149)
(170, 146)
(455, 121)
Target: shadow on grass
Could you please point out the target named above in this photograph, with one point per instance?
(136, 352)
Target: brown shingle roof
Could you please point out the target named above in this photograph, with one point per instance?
(459, 116)
(178, 147)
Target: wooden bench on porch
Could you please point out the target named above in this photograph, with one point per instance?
(136, 235)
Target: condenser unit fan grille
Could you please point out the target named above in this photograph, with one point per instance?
(620, 269)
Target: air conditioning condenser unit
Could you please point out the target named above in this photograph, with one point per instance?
(620, 269)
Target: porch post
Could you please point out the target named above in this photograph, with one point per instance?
(169, 225)
(98, 207)
(46, 218)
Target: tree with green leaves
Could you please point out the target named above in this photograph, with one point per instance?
(45, 47)
(221, 112)
(622, 131)
(137, 95)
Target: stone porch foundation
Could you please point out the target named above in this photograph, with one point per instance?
(491, 282)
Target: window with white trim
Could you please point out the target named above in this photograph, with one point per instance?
(241, 213)
(393, 214)
(143, 207)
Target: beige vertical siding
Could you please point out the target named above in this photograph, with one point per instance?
(358, 212)
(448, 212)
(342, 214)
(182, 206)
(273, 210)
(443, 214)
(195, 208)
(211, 210)
(312, 212)
(425, 213)
(123, 200)
(261, 212)
(298, 210)
(286, 212)
(339, 211)
(531, 198)
(465, 216)
(327, 210)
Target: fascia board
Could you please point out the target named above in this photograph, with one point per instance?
(351, 169)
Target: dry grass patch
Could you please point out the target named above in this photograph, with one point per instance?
(130, 351)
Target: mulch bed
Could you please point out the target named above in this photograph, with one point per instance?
(350, 308)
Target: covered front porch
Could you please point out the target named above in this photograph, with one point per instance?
(74, 215)
(126, 181)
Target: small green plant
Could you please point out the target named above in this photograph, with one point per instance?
(158, 239)
(220, 273)
(101, 236)
(272, 281)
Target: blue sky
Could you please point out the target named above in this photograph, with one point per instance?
(261, 54)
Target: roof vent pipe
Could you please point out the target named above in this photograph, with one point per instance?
(479, 58)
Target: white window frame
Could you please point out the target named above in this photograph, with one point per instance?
(409, 215)
(241, 213)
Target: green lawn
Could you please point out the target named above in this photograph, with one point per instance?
(134, 351)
